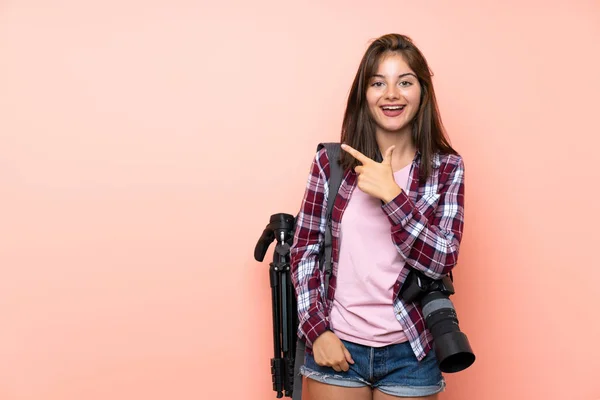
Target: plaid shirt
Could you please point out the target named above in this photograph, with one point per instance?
(425, 226)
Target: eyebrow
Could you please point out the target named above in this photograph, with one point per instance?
(399, 76)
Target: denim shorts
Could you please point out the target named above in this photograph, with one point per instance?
(392, 369)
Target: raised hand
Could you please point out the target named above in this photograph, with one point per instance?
(374, 178)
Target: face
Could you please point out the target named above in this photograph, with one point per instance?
(393, 95)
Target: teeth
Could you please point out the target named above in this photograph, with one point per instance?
(393, 108)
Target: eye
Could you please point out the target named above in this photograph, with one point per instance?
(405, 83)
(377, 84)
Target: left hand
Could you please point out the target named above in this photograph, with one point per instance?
(374, 178)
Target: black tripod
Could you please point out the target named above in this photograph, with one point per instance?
(283, 296)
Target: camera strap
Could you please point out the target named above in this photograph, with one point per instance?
(335, 180)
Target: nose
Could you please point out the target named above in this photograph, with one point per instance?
(392, 92)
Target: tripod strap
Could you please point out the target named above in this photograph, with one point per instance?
(335, 180)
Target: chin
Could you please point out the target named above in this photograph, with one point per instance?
(393, 128)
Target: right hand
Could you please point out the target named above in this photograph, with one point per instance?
(329, 351)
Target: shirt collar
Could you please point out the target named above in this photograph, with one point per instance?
(435, 162)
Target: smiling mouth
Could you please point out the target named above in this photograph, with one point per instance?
(392, 108)
(392, 111)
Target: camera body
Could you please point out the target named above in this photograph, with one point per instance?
(418, 285)
(451, 346)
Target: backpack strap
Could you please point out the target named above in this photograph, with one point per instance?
(325, 262)
(335, 180)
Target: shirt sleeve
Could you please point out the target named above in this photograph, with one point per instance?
(431, 245)
(304, 253)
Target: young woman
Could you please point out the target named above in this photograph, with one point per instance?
(399, 207)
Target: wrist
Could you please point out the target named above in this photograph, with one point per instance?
(391, 194)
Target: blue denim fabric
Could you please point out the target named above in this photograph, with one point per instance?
(392, 369)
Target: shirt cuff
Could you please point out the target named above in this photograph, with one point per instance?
(313, 327)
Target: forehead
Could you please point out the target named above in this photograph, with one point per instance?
(391, 64)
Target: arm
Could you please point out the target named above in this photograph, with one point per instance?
(431, 245)
(304, 253)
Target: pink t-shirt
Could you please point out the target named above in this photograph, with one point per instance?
(368, 267)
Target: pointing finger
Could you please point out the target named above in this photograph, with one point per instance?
(356, 154)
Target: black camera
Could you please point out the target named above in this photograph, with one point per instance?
(451, 346)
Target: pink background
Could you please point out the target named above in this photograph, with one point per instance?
(144, 145)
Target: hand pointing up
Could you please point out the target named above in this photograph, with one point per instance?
(374, 178)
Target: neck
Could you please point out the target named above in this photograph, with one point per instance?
(405, 149)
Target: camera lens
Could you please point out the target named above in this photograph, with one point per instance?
(451, 346)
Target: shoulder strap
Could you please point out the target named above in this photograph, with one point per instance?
(335, 180)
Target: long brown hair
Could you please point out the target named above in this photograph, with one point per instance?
(358, 127)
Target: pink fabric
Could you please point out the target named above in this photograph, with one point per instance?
(369, 265)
